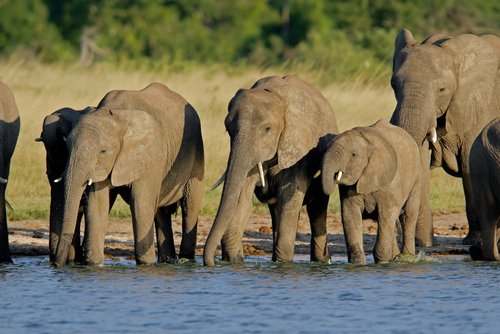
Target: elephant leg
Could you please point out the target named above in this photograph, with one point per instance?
(408, 224)
(164, 235)
(424, 230)
(474, 234)
(274, 220)
(384, 249)
(489, 221)
(352, 223)
(232, 245)
(144, 206)
(288, 209)
(190, 206)
(4, 232)
(75, 251)
(316, 210)
(96, 220)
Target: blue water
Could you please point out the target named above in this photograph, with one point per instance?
(449, 296)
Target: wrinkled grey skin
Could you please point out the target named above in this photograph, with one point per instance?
(55, 129)
(451, 84)
(9, 131)
(381, 179)
(485, 177)
(283, 123)
(150, 141)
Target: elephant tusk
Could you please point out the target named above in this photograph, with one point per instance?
(58, 180)
(39, 139)
(64, 138)
(318, 173)
(433, 135)
(89, 182)
(218, 182)
(3, 181)
(261, 173)
(339, 176)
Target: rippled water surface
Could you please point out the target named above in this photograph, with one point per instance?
(258, 296)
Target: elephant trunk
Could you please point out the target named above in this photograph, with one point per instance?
(415, 113)
(331, 170)
(76, 178)
(239, 165)
(56, 217)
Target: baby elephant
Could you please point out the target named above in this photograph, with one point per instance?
(484, 163)
(378, 170)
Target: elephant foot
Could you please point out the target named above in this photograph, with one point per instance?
(472, 238)
(233, 259)
(6, 259)
(326, 260)
(425, 242)
(356, 255)
(476, 253)
(167, 259)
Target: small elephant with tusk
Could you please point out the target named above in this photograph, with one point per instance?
(378, 170)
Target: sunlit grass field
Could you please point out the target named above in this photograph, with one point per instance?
(41, 89)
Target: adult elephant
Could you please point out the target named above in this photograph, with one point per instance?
(9, 131)
(378, 170)
(485, 177)
(55, 130)
(447, 90)
(150, 141)
(278, 129)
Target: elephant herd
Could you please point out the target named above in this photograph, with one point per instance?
(285, 148)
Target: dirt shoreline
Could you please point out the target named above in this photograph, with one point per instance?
(30, 237)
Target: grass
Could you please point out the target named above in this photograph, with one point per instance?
(41, 89)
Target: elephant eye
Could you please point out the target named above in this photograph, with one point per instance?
(267, 129)
(103, 151)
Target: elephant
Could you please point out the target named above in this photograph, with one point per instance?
(484, 161)
(278, 132)
(9, 131)
(447, 89)
(378, 170)
(150, 142)
(55, 129)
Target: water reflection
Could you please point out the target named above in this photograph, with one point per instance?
(258, 296)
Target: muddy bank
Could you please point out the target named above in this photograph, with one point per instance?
(31, 237)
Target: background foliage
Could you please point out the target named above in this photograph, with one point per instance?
(355, 36)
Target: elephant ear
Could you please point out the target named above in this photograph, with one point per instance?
(476, 66)
(382, 162)
(403, 40)
(139, 148)
(308, 117)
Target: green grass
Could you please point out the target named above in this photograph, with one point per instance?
(41, 89)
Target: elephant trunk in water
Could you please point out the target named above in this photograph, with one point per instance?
(76, 179)
(237, 171)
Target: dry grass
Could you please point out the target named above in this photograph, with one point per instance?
(41, 89)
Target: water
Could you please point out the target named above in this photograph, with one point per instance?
(259, 296)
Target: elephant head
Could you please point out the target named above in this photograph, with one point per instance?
(360, 157)
(106, 148)
(273, 124)
(55, 130)
(442, 87)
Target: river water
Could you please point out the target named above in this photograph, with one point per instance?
(445, 296)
